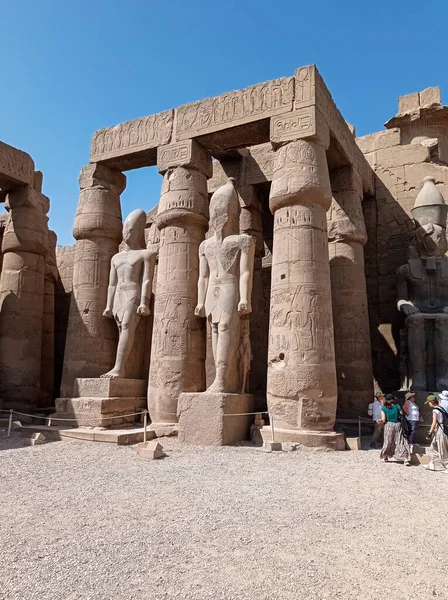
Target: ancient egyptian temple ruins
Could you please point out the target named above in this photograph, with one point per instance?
(265, 278)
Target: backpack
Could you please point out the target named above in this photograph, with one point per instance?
(405, 425)
(444, 423)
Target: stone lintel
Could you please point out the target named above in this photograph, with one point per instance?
(16, 167)
(214, 419)
(187, 153)
(234, 108)
(125, 141)
(95, 174)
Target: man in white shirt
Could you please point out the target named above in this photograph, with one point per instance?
(375, 412)
(443, 397)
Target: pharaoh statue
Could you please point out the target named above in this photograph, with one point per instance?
(130, 288)
(225, 289)
(422, 286)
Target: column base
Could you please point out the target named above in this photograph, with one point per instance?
(214, 419)
(315, 440)
(102, 402)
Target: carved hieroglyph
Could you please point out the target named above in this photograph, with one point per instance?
(301, 365)
(234, 108)
(225, 288)
(132, 136)
(422, 289)
(130, 288)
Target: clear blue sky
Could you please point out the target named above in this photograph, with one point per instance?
(69, 68)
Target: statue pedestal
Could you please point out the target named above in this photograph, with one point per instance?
(96, 400)
(213, 418)
(316, 440)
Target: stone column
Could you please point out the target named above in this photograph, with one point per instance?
(48, 324)
(91, 339)
(302, 392)
(24, 246)
(250, 222)
(178, 341)
(347, 237)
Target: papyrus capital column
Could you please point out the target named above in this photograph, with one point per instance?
(346, 239)
(91, 339)
(178, 341)
(24, 247)
(302, 391)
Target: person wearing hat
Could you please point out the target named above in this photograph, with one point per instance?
(375, 412)
(412, 413)
(395, 444)
(439, 441)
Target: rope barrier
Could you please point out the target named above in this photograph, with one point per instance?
(55, 418)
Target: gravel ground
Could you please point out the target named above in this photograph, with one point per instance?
(80, 520)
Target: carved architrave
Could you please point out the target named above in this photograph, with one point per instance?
(132, 136)
(235, 108)
(15, 166)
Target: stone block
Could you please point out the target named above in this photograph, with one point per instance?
(430, 97)
(115, 387)
(35, 440)
(214, 419)
(98, 412)
(15, 166)
(353, 443)
(150, 450)
(315, 440)
(164, 429)
(184, 154)
(402, 155)
(366, 143)
(294, 126)
(408, 103)
(272, 446)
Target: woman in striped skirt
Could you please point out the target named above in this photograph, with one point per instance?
(395, 444)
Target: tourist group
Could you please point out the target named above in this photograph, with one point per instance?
(399, 428)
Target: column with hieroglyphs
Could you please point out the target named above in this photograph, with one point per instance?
(178, 341)
(24, 247)
(346, 239)
(91, 339)
(250, 222)
(48, 324)
(301, 386)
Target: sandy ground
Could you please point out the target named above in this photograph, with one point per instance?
(80, 520)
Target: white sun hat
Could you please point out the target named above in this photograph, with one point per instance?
(444, 395)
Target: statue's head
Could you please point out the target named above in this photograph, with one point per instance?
(429, 205)
(134, 228)
(225, 210)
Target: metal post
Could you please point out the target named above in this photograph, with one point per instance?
(10, 422)
(145, 423)
(272, 426)
(49, 421)
(359, 427)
